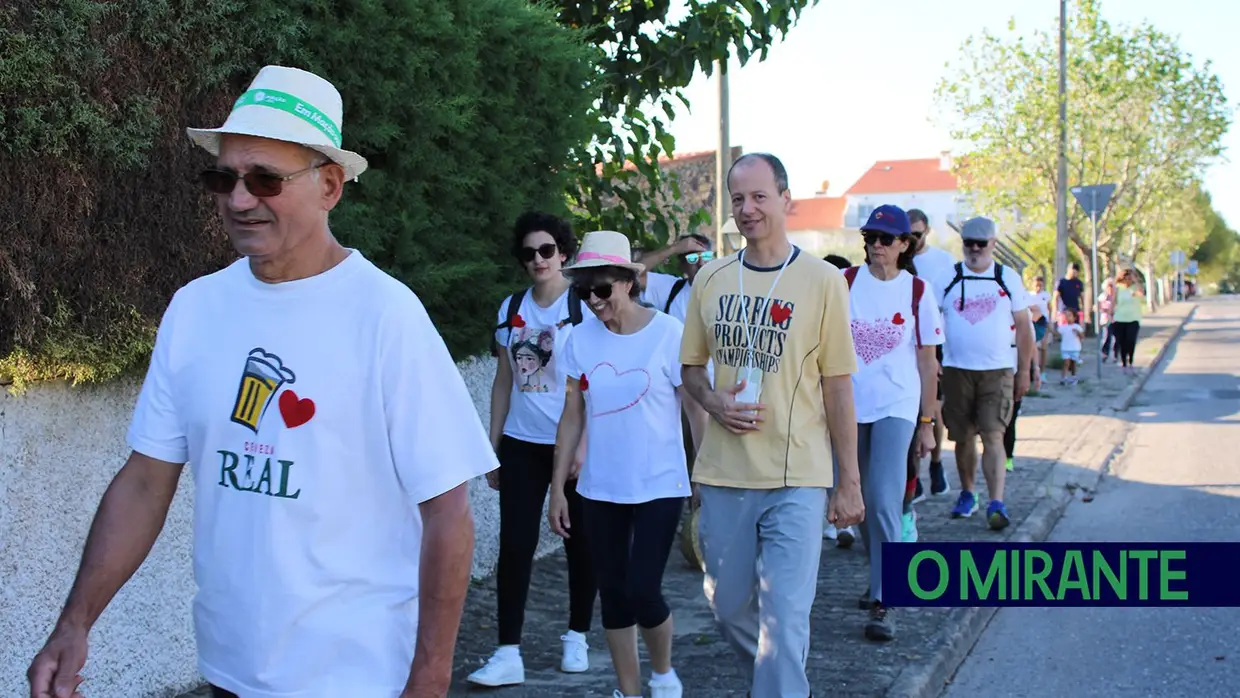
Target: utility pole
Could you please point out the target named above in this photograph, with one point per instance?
(1061, 193)
(723, 203)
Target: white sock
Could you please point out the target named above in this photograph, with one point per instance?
(574, 635)
(671, 674)
(509, 651)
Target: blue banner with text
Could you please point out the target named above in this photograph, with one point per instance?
(1061, 574)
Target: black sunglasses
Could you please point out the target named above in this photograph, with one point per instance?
(526, 255)
(264, 185)
(884, 239)
(976, 244)
(603, 291)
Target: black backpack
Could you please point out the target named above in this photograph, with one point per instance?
(514, 307)
(676, 288)
(960, 279)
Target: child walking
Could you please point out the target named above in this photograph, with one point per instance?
(1070, 335)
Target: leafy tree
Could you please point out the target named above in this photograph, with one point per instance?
(1140, 115)
(650, 60)
(103, 219)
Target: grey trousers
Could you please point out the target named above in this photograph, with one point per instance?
(882, 458)
(762, 550)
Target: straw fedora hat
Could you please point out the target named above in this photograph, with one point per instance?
(288, 104)
(605, 248)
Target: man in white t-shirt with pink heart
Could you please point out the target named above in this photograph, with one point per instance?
(985, 307)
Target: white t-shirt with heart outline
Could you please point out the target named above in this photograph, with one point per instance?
(635, 451)
(316, 415)
(981, 330)
(888, 381)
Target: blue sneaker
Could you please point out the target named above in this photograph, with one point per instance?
(966, 504)
(997, 516)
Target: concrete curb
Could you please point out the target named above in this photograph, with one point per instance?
(964, 626)
(1125, 399)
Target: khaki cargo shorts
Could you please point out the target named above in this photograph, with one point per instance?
(977, 402)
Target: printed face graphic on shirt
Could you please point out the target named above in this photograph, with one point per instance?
(533, 365)
(767, 326)
(254, 466)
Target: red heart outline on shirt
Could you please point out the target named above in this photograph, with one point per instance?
(518, 322)
(295, 411)
(897, 319)
(635, 384)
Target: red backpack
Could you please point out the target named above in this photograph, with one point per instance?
(919, 287)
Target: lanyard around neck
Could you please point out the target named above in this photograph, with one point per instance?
(740, 288)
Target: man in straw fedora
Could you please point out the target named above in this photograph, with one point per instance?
(331, 435)
(776, 323)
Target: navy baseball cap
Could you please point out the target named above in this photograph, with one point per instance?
(888, 219)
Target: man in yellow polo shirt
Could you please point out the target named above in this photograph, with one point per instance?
(776, 323)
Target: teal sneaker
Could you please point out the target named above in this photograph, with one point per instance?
(908, 528)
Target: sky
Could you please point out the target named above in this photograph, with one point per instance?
(854, 82)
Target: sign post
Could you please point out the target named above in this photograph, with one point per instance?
(1177, 263)
(1094, 199)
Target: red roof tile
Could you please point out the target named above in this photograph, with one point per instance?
(891, 176)
(818, 213)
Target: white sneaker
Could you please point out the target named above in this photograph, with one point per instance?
(830, 532)
(576, 657)
(504, 668)
(666, 686)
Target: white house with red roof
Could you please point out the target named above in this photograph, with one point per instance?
(925, 183)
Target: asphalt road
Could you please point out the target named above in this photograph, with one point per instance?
(1178, 479)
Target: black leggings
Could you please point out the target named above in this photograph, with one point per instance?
(1009, 436)
(1126, 338)
(524, 478)
(631, 544)
(217, 692)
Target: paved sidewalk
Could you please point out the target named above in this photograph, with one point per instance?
(841, 662)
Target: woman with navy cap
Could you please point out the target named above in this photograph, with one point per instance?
(895, 326)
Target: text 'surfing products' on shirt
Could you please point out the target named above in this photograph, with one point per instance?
(888, 381)
(635, 443)
(979, 325)
(798, 337)
(531, 347)
(316, 415)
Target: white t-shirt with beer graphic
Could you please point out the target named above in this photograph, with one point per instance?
(316, 415)
(531, 346)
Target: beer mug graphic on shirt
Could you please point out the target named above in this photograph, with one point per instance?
(264, 374)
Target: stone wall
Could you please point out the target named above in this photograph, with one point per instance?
(59, 448)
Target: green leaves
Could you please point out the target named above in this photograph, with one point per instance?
(649, 60)
(1140, 114)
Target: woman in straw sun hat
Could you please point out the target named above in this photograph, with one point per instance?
(624, 389)
(332, 436)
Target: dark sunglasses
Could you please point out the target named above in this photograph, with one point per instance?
(884, 239)
(603, 291)
(976, 244)
(264, 185)
(526, 255)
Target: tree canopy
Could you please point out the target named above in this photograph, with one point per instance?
(1140, 114)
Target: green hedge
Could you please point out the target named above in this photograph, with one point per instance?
(466, 109)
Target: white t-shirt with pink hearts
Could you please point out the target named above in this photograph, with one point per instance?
(888, 382)
(635, 451)
(980, 328)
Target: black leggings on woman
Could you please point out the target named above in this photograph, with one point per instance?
(1126, 337)
(524, 478)
(631, 543)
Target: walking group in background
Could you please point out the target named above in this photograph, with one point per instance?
(784, 396)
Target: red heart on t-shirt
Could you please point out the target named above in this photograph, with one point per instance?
(938, 330)
(780, 313)
(1012, 327)
(584, 382)
(518, 322)
(295, 411)
(1002, 293)
(897, 319)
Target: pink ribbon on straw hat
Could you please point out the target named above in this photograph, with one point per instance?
(613, 258)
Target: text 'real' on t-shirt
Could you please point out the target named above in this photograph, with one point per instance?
(531, 347)
(801, 336)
